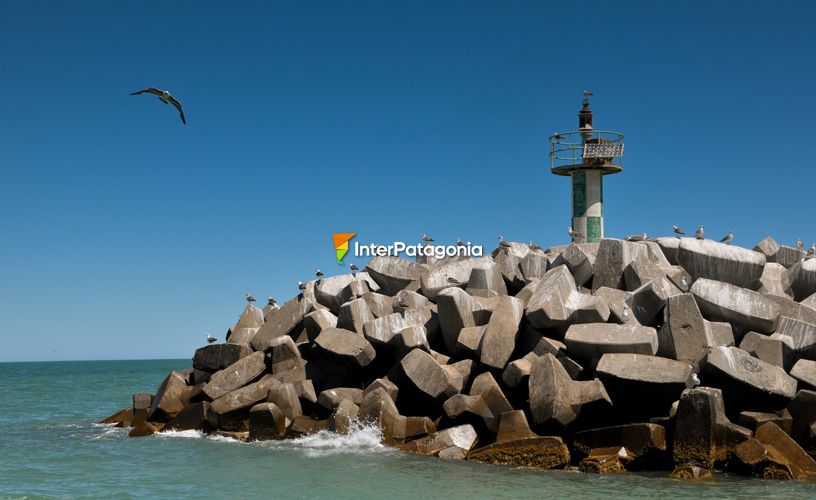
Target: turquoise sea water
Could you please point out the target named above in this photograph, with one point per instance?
(51, 447)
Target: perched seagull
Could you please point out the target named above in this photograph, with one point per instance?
(684, 282)
(637, 237)
(165, 97)
(354, 267)
(573, 234)
(700, 234)
(557, 136)
(452, 280)
(211, 339)
(426, 238)
(250, 298)
(272, 302)
(811, 251)
(799, 244)
(503, 243)
(728, 237)
(695, 379)
(319, 273)
(678, 231)
(301, 285)
(625, 314)
(534, 246)
(588, 93)
(460, 243)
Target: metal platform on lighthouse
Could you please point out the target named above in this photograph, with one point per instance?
(586, 155)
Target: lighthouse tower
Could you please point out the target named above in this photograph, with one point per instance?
(586, 155)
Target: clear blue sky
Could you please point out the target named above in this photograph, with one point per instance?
(127, 235)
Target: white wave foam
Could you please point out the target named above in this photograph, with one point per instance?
(361, 440)
(110, 432)
(222, 439)
(190, 434)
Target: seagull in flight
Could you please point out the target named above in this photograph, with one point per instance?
(700, 234)
(250, 298)
(728, 237)
(165, 97)
(678, 231)
(211, 339)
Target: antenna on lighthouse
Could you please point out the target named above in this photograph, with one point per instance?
(586, 155)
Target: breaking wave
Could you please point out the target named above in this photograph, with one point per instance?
(362, 439)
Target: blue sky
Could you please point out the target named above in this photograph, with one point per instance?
(128, 235)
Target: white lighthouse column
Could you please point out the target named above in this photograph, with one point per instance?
(587, 205)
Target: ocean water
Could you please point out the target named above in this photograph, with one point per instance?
(50, 446)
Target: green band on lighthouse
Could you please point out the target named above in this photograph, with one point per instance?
(579, 194)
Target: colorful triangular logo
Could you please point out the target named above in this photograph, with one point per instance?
(341, 244)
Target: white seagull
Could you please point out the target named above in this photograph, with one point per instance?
(799, 244)
(250, 298)
(319, 273)
(354, 267)
(678, 231)
(728, 237)
(211, 339)
(426, 238)
(460, 243)
(574, 234)
(503, 243)
(625, 314)
(700, 234)
(301, 285)
(272, 302)
(165, 97)
(811, 251)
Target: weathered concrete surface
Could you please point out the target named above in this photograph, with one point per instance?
(788, 256)
(245, 396)
(641, 271)
(282, 321)
(773, 438)
(703, 434)
(342, 419)
(283, 356)
(720, 301)
(488, 389)
(382, 330)
(236, 375)
(193, 416)
(463, 437)
(170, 398)
(615, 255)
(645, 443)
(805, 372)
(423, 373)
(353, 315)
(751, 384)
(499, 339)
(751, 420)
(458, 310)
(720, 262)
(591, 341)
(266, 421)
(285, 397)
(216, 357)
(534, 265)
(317, 321)
(690, 472)
(555, 397)
(774, 281)
(802, 276)
(556, 303)
(641, 385)
(439, 278)
(684, 335)
(247, 326)
(406, 299)
(619, 303)
(579, 262)
(513, 426)
(510, 268)
(486, 280)
(802, 336)
(305, 425)
(389, 387)
(649, 300)
(330, 398)
(670, 246)
(347, 346)
(543, 452)
(380, 305)
(378, 408)
(392, 274)
(470, 409)
(775, 349)
(604, 460)
(769, 248)
(413, 337)
(469, 341)
(753, 458)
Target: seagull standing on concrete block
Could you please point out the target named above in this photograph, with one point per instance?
(625, 314)
(637, 237)
(534, 246)
(272, 302)
(728, 237)
(211, 339)
(165, 97)
(574, 234)
(811, 251)
(679, 232)
(319, 273)
(700, 234)
(460, 243)
(799, 244)
(301, 285)
(354, 267)
(250, 298)
(503, 243)
(426, 238)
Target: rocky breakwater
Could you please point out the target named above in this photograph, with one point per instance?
(669, 354)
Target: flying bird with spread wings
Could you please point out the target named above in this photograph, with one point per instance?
(165, 97)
